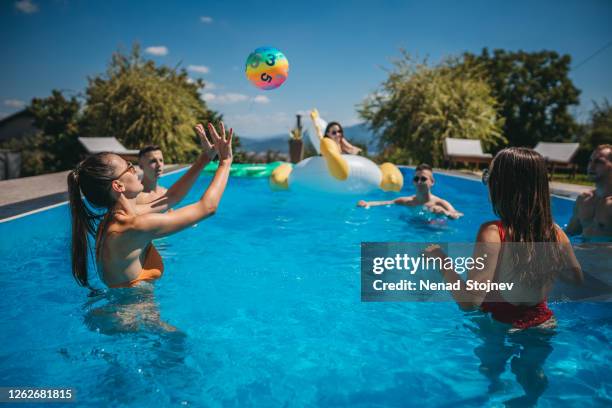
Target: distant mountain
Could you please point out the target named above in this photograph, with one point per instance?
(355, 134)
(263, 144)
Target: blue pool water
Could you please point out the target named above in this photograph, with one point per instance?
(260, 306)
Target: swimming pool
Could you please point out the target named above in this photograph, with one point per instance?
(262, 303)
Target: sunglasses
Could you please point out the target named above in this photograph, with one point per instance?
(336, 132)
(485, 176)
(130, 168)
(422, 179)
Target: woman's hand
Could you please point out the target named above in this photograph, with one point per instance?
(207, 147)
(223, 143)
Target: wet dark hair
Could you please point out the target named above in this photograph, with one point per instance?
(524, 207)
(329, 126)
(423, 166)
(91, 178)
(147, 149)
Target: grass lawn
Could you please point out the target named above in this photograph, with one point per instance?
(581, 179)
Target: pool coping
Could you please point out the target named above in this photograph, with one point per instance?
(38, 204)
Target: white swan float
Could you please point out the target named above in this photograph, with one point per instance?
(334, 172)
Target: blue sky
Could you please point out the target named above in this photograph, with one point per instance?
(336, 50)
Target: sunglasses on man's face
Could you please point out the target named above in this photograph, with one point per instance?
(130, 168)
(421, 179)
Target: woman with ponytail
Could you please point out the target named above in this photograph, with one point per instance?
(102, 191)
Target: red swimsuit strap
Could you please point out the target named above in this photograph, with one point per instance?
(502, 231)
(520, 317)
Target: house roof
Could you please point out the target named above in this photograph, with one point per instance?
(104, 144)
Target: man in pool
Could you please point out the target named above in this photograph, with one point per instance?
(592, 215)
(151, 161)
(423, 182)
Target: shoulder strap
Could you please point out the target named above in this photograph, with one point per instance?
(502, 231)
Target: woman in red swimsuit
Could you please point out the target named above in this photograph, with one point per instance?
(124, 248)
(518, 187)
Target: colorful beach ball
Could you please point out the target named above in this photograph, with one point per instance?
(267, 68)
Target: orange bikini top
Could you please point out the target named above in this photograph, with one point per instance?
(152, 269)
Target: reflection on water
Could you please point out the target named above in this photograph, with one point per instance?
(147, 355)
(126, 310)
(421, 220)
(527, 351)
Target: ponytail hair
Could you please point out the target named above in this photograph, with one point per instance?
(92, 178)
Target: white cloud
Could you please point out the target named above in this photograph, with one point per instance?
(224, 99)
(206, 19)
(261, 99)
(200, 69)
(158, 50)
(260, 125)
(210, 85)
(209, 97)
(14, 103)
(26, 6)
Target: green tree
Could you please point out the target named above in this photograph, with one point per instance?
(141, 103)
(57, 118)
(534, 92)
(56, 146)
(597, 131)
(600, 125)
(418, 106)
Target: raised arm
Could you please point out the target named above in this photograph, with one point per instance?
(179, 190)
(154, 225)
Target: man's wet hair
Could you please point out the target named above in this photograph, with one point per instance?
(147, 149)
(423, 166)
(605, 147)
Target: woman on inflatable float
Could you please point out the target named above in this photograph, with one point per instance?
(333, 171)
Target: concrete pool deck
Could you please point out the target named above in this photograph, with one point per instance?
(23, 195)
(29, 194)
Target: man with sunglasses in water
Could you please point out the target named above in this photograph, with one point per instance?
(593, 210)
(423, 182)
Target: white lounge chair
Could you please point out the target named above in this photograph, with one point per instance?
(465, 151)
(95, 145)
(558, 155)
